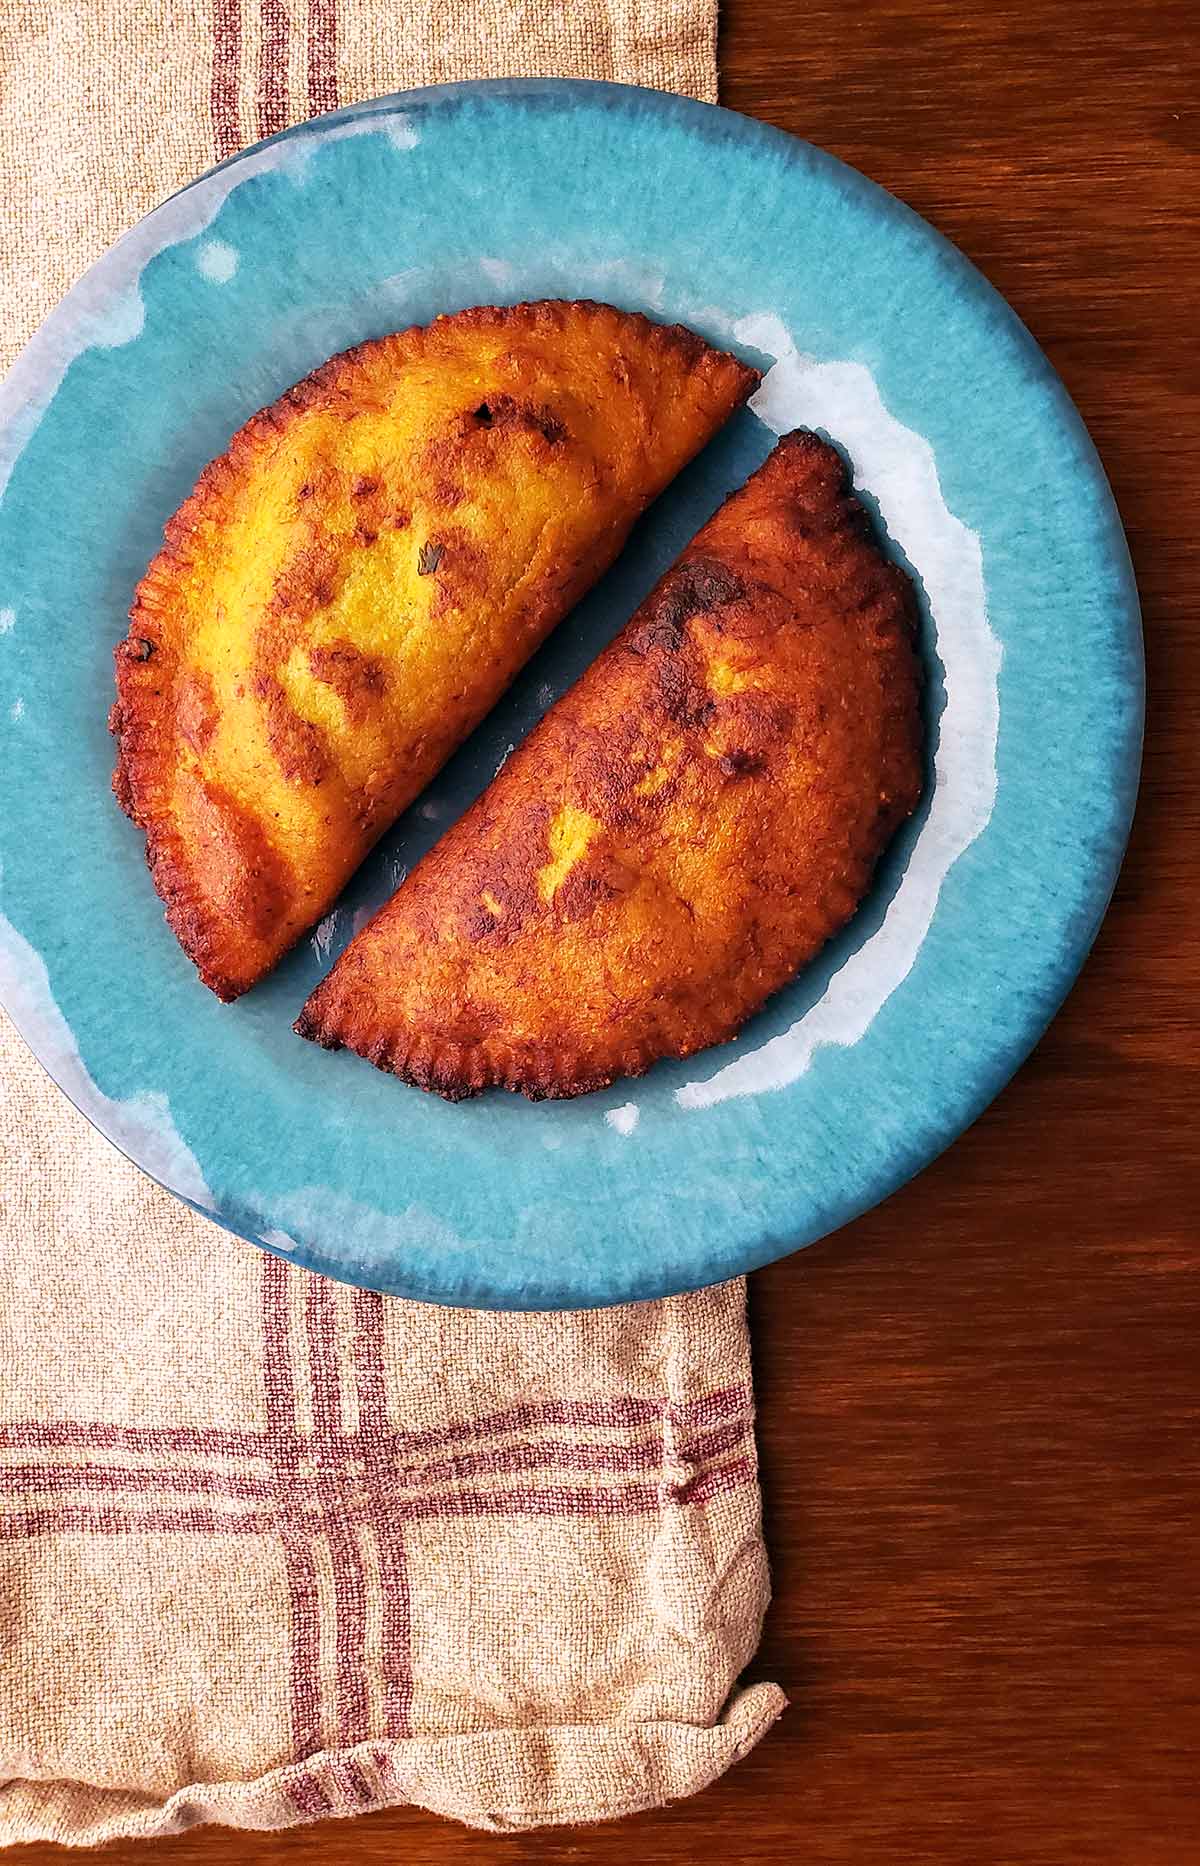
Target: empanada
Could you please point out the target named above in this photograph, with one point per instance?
(351, 587)
(684, 829)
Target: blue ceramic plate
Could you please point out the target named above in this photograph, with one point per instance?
(871, 329)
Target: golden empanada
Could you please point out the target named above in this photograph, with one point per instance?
(681, 832)
(352, 586)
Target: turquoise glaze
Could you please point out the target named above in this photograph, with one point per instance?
(982, 477)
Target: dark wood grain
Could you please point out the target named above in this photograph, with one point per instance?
(980, 1405)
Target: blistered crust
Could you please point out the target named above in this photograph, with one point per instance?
(684, 829)
(352, 585)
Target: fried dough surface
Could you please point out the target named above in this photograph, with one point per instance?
(352, 585)
(684, 829)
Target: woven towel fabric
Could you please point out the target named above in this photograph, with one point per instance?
(107, 106)
(270, 1548)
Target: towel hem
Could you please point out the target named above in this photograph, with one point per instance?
(498, 1780)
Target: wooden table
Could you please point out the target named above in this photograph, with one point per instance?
(980, 1405)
